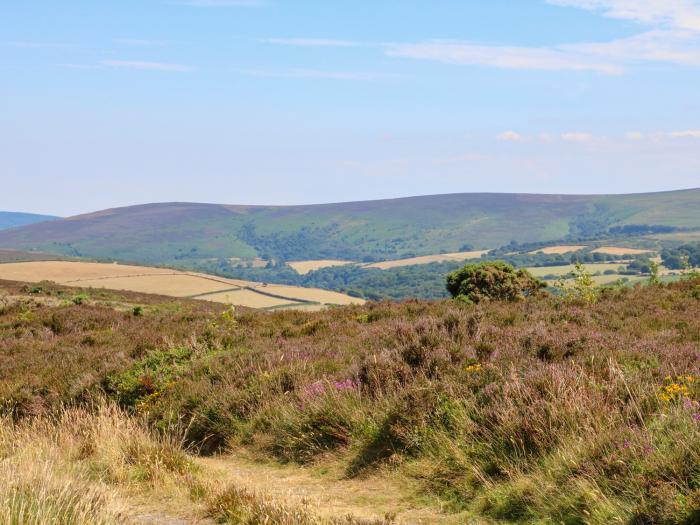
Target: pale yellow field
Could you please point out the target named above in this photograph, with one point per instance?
(563, 270)
(173, 283)
(304, 267)
(557, 250)
(243, 297)
(309, 294)
(617, 250)
(63, 272)
(427, 259)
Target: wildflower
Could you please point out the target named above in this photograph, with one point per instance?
(473, 369)
(676, 389)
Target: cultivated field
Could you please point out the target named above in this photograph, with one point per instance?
(173, 283)
(541, 271)
(557, 250)
(304, 267)
(617, 250)
(427, 259)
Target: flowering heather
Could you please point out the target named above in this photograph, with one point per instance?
(539, 411)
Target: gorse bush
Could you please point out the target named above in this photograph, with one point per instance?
(492, 280)
(540, 411)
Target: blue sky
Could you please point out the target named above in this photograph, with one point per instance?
(294, 101)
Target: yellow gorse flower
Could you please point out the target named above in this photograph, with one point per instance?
(676, 388)
(472, 369)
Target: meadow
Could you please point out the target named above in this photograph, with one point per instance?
(548, 410)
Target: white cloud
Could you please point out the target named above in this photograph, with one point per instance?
(314, 42)
(577, 137)
(691, 133)
(150, 66)
(634, 135)
(510, 136)
(314, 73)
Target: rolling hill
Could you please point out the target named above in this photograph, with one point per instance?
(184, 233)
(10, 219)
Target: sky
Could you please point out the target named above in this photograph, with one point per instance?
(121, 102)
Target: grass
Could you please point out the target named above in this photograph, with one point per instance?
(541, 411)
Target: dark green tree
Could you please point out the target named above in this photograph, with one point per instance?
(494, 280)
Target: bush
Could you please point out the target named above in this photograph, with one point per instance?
(492, 280)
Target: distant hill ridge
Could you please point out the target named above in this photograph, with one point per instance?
(169, 233)
(10, 219)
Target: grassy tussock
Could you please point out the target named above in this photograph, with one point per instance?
(64, 469)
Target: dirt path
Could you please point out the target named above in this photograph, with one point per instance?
(328, 493)
(325, 491)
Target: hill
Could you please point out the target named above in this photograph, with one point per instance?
(185, 233)
(9, 219)
(539, 411)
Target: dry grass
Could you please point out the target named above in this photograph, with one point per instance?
(96, 465)
(618, 250)
(304, 267)
(173, 283)
(427, 259)
(69, 468)
(557, 250)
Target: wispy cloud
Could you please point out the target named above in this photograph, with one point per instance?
(504, 57)
(681, 14)
(35, 45)
(139, 42)
(314, 42)
(148, 66)
(672, 37)
(314, 73)
(691, 133)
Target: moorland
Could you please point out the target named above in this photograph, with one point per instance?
(124, 407)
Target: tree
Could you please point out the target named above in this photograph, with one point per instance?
(494, 280)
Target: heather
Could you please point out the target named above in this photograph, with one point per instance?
(544, 410)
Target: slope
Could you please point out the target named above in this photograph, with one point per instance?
(10, 219)
(184, 233)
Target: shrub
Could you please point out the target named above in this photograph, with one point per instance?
(492, 280)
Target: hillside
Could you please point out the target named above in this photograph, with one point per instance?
(540, 411)
(9, 219)
(187, 234)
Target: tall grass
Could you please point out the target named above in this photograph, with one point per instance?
(63, 469)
